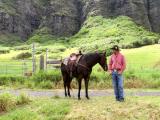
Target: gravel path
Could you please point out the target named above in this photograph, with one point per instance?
(60, 93)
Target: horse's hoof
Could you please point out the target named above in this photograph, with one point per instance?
(87, 97)
(69, 96)
(79, 98)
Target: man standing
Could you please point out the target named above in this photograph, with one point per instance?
(117, 65)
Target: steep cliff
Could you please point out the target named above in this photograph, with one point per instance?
(65, 17)
(144, 12)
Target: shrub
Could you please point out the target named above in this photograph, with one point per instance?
(137, 44)
(53, 76)
(155, 76)
(23, 99)
(4, 51)
(7, 102)
(130, 74)
(23, 55)
(46, 84)
(5, 80)
(22, 47)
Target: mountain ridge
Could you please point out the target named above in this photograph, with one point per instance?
(65, 18)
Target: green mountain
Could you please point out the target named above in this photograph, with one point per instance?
(46, 20)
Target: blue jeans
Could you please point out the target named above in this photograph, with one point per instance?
(117, 81)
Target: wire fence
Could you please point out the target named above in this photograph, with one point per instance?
(20, 67)
(13, 67)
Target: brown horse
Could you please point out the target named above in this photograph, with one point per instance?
(83, 71)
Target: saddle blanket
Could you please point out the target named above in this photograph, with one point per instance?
(66, 60)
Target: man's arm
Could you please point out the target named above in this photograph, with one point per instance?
(123, 65)
(110, 65)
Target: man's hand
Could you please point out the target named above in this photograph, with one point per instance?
(110, 72)
(120, 72)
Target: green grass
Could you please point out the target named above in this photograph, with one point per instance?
(142, 69)
(141, 64)
(40, 109)
(7, 39)
(99, 33)
(9, 102)
(139, 108)
(96, 33)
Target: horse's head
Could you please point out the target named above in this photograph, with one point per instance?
(103, 61)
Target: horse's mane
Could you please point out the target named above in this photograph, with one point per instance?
(93, 53)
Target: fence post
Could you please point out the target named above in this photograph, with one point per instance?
(41, 62)
(46, 57)
(33, 58)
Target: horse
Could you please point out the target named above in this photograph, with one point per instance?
(83, 71)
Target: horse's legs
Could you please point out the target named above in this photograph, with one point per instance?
(65, 84)
(69, 86)
(79, 88)
(86, 87)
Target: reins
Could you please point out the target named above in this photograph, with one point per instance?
(83, 66)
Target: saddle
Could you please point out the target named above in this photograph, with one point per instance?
(70, 59)
(72, 62)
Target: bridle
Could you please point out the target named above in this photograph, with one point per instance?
(102, 61)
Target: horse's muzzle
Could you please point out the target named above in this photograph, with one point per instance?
(105, 68)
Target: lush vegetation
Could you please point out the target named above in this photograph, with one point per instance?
(7, 39)
(9, 102)
(142, 70)
(100, 33)
(56, 108)
(96, 33)
(37, 109)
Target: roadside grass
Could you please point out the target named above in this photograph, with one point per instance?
(40, 109)
(55, 108)
(9, 102)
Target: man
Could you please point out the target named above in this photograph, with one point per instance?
(117, 66)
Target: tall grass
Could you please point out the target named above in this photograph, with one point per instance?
(9, 102)
(40, 109)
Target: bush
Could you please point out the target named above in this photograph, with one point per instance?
(137, 44)
(4, 51)
(23, 99)
(130, 74)
(23, 47)
(23, 55)
(46, 85)
(54, 76)
(7, 102)
(5, 80)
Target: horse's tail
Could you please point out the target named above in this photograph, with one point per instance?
(71, 88)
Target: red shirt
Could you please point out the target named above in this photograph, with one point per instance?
(117, 61)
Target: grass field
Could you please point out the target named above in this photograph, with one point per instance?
(97, 33)
(103, 108)
(143, 65)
